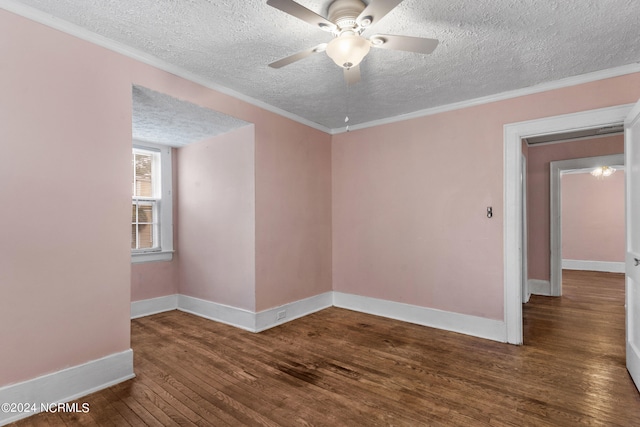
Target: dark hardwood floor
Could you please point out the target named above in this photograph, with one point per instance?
(342, 368)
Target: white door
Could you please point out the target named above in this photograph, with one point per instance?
(632, 303)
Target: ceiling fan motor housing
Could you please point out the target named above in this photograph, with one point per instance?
(343, 13)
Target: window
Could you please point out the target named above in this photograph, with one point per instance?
(151, 219)
(146, 198)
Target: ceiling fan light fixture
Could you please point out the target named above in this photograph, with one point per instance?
(366, 21)
(377, 40)
(603, 171)
(348, 49)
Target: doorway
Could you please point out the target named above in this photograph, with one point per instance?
(513, 241)
(557, 169)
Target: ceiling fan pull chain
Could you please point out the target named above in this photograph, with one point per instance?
(346, 118)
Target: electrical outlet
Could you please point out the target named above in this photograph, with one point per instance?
(281, 315)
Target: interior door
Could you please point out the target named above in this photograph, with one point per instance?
(632, 303)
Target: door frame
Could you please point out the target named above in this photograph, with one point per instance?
(558, 168)
(512, 245)
(526, 293)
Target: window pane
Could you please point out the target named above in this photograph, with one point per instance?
(143, 225)
(134, 242)
(145, 214)
(143, 165)
(145, 236)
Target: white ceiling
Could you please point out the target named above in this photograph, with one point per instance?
(163, 119)
(486, 47)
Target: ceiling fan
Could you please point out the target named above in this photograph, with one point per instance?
(347, 20)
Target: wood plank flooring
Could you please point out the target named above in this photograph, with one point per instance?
(342, 368)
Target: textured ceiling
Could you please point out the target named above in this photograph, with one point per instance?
(486, 47)
(169, 121)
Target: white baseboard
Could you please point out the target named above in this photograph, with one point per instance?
(269, 318)
(250, 321)
(238, 317)
(257, 322)
(539, 287)
(605, 266)
(446, 320)
(67, 384)
(151, 306)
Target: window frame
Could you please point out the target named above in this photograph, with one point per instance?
(164, 206)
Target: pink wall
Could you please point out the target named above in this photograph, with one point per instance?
(65, 130)
(154, 279)
(292, 196)
(293, 213)
(538, 170)
(406, 228)
(217, 219)
(409, 200)
(293, 193)
(64, 100)
(593, 227)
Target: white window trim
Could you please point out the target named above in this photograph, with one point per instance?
(165, 253)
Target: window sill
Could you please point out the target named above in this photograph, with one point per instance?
(137, 258)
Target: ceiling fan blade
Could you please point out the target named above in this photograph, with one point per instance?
(301, 12)
(298, 56)
(405, 43)
(375, 11)
(352, 75)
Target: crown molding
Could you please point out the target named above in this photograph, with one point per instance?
(542, 87)
(86, 35)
